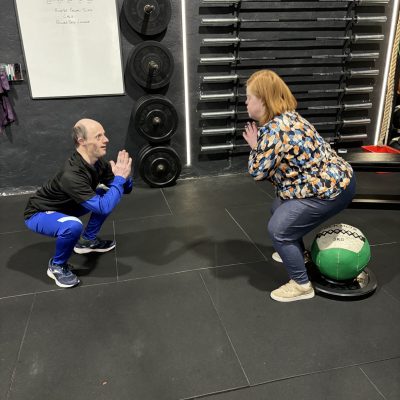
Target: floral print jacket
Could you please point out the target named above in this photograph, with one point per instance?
(295, 158)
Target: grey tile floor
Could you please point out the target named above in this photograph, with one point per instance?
(181, 308)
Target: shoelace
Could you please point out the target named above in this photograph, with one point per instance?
(292, 284)
(286, 287)
(91, 243)
(66, 269)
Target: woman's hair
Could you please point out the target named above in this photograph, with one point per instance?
(273, 91)
(78, 131)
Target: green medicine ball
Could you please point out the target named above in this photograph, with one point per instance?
(340, 252)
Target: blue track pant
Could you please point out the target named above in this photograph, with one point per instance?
(292, 219)
(66, 228)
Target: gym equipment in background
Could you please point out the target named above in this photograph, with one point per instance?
(148, 17)
(231, 59)
(233, 147)
(232, 130)
(326, 51)
(151, 64)
(155, 118)
(395, 143)
(232, 113)
(350, 38)
(232, 2)
(396, 118)
(159, 166)
(357, 19)
(340, 254)
(233, 95)
(350, 73)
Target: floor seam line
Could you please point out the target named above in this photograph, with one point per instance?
(383, 244)
(224, 328)
(246, 234)
(141, 218)
(11, 232)
(166, 201)
(390, 295)
(322, 371)
(228, 390)
(116, 252)
(20, 348)
(265, 192)
(372, 383)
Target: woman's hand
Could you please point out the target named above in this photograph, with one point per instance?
(251, 134)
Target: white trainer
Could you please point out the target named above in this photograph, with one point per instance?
(293, 291)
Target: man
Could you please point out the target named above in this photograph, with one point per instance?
(74, 191)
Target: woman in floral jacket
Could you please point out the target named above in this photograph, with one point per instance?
(312, 182)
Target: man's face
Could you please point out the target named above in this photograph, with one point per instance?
(96, 141)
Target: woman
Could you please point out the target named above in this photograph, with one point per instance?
(312, 182)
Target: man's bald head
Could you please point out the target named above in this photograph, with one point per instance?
(82, 128)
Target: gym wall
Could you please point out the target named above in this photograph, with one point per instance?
(34, 146)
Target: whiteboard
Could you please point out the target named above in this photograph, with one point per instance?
(71, 47)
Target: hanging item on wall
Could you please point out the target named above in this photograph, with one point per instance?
(155, 118)
(148, 17)
(159, 166)
(151, 64)
(12, 71)
(6, 111)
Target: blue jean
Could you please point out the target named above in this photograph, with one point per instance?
(66, 228)
(292, 219)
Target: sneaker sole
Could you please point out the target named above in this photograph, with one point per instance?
(289, 299)
(79, 250)
(51, 275)
(276, 257)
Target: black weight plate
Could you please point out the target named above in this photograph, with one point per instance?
(351, 289)
(151, 64)
(159, 166)
(148, 17)
(155, 118)
(143, 151)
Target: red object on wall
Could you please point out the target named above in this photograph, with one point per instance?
(380, 149)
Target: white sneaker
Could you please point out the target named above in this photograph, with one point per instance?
(276, 257)
(293, 291)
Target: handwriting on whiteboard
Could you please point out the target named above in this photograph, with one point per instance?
(71, 12)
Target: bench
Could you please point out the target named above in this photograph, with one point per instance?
(374, 162)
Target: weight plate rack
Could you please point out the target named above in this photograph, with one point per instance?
(326, 51)
(151, 65)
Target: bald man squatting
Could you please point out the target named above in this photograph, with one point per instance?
(55, 208)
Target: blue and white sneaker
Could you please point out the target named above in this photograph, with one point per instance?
(62, 275)
(85, 246)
